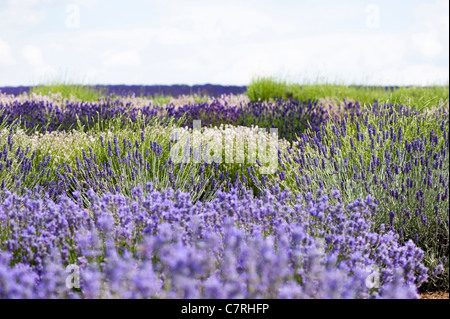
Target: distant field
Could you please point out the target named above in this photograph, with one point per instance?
(261, 88)
(265, 88)
(148, 91)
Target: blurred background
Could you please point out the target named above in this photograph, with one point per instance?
(376, 42)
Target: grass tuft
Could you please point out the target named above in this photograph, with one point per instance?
(267, 88)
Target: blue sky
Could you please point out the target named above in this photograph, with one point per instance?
(397, 42)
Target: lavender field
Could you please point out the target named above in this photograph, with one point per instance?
(211, 193)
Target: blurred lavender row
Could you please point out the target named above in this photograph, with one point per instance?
(149, 90)
(161, 245)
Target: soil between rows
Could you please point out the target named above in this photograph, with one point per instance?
(435, 295)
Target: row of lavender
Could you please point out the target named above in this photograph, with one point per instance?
(147, 90)
(161, 245)
(396, 155)
(290, 117)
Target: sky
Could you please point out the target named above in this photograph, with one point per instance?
(147, 42)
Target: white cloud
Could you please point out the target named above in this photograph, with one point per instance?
(6, 57)
(87, 3)
(124, 58)
(348, 57)
(22, 13)
(41, 71)
(381, 50)
(427, 43)
(44, 72)
(434, 12)
(433, 21)
(237, 20)
(413, 74)
(56, 46)
(91, 75)
(33, 55)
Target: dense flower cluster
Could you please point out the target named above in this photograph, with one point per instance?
(161, 245)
